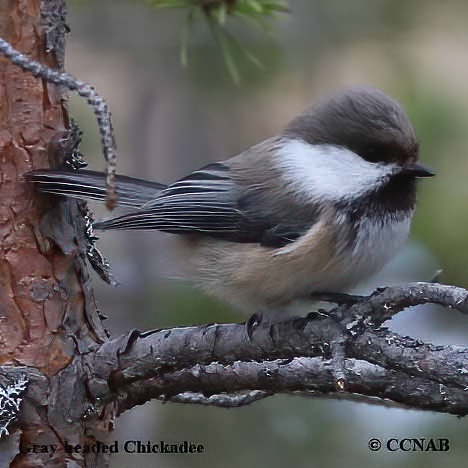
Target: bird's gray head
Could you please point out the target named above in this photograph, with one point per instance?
(362, 119)
(355, 145)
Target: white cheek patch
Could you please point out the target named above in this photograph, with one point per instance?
(328, 172)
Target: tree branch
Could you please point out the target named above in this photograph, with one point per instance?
(314, 375)
(341, 352)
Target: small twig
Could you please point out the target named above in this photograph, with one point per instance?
(387, 302)
(85, 90)
(338, 298)
(437, 276)
(220, 400)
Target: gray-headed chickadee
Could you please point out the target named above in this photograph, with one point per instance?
(317, 208)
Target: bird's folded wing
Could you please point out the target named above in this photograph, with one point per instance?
(211, 202)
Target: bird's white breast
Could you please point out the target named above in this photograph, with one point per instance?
(377, 241)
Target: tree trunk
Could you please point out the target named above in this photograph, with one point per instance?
(48, 316)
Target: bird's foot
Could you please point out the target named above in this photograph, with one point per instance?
(252, 323)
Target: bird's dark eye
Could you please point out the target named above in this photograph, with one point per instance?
(372, 154)
(376, 153)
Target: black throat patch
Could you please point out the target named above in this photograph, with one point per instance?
(396, 198)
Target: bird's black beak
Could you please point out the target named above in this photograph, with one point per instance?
(417, 170)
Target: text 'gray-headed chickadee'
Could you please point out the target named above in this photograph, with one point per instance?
(318, 208)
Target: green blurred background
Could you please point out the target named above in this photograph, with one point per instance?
(170, 120)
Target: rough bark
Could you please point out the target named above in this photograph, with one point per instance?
(79, 379)
(48, 315)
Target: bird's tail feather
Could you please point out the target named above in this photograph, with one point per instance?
(92, 185)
